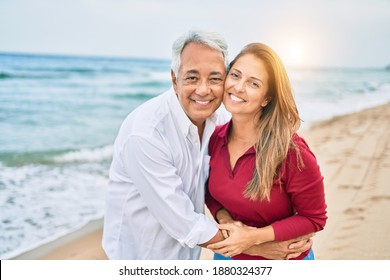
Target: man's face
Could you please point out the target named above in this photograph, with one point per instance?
(199, 85)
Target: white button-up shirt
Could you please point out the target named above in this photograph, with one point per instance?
(155, 197)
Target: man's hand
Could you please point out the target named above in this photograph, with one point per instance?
(282, 250)
(217, 238)
(224, 217)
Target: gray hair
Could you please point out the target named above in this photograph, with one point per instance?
(210, 39)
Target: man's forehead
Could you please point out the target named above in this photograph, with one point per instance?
(197, 51)
(196, 71)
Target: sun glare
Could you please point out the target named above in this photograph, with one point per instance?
(294, 54)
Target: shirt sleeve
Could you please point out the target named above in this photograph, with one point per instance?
(306, 188)
(150, 166)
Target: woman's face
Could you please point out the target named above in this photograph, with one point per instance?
(246, 86)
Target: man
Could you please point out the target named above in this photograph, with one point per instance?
(155, 197)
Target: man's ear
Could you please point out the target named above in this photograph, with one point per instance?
(174, 80)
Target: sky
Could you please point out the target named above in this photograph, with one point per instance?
(320, 33)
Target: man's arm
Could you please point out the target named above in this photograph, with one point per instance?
(282, 250)
(217, 237)
(152, 171)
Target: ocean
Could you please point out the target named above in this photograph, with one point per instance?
(59, 116)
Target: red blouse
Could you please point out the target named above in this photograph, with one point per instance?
(297, 204)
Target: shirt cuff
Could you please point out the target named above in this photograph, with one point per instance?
(203, 230)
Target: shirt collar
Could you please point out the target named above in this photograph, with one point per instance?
(224, 133)
(181, 117)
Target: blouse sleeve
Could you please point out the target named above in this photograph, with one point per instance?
(305, 186)
(212, 204)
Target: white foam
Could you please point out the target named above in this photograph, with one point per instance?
(41, 203)
(160, 76)
(87, 155)
(30, 246)
(318, 109)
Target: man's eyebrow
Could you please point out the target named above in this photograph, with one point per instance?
(215, 73)
(192, 71)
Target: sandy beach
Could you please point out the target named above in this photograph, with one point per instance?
(354, 155)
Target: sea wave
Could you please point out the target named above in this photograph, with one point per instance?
(93, 69)
(48, 74)
(48, 158)
(323, 107)
(157, 79)
(31, 75)
(31, 246)
(40, 203)
(148, 84)
(4, 75)
(86, 155)
(139, 95)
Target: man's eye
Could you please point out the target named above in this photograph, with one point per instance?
(234, 75)
(191, 78)
(216, 81)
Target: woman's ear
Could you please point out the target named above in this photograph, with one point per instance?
(265, 102)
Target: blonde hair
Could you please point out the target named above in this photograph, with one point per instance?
(278, 121)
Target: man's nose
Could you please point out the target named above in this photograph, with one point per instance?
(203, 88)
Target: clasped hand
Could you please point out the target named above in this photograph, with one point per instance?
(238, 238)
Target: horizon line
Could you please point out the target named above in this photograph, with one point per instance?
(111, 56)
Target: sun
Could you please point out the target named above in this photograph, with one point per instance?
(294, 54)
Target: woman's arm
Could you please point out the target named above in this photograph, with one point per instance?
(277, 250)
(305, 186)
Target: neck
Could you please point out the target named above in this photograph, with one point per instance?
(200, 126)
(243, 130)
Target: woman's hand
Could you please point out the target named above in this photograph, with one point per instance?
(240, 238)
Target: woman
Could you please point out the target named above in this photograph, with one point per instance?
(262, 173)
